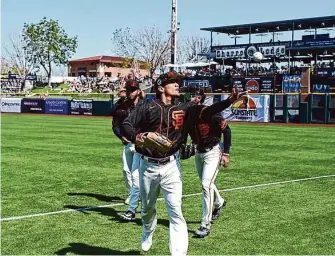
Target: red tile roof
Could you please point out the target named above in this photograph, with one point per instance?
(101, 58)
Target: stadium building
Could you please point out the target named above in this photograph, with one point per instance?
(100, 66)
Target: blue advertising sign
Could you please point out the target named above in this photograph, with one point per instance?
(291, 83)
(196, 83)
(326, 72)
(28, 77)
(57, 106)
(322, 84)
(296, 45)
(318, 43)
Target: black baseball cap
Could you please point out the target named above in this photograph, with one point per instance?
(132, 85)
(167, 78)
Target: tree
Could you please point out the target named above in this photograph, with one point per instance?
(148, 44)
(47, 43)
(16, 59)
(196, 45)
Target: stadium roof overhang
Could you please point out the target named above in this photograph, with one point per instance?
(275, 26)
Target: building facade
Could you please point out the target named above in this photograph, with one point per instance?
(100, 66)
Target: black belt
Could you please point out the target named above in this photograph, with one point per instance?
(205, 150)
(164, 160)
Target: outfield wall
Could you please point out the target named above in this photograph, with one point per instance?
(283, 108)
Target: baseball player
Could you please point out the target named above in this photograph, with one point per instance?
(206, 135)
(122, 94)
(130, 159)
(161, 169)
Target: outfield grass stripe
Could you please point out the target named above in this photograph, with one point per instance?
(160, 199)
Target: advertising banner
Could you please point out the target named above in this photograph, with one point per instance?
(196, 83)
(277, 50)
(319, 43)
(11, 105)
(230, 53)
(57, 106)
(291, 83)
(325, 72)
(248, 51)
(322, 84)
(81, 107)
(248, 109)
(254, 84)
(32, 105)
(102, 108)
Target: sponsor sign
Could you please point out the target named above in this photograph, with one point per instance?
(322, 84)
(276, 50)
(28, 77)
(57, 106)
(296, 45)
(11, 105)
(81, 107)
(249, 109)
(248, 51)
(32, 106)
(254, 84)
(291, 83)
(325, 72)
(230, 53)
(196, 83)
(318, 43)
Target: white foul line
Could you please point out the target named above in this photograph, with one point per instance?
(160, 199)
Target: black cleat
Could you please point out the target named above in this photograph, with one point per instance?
(217, 211)
(202, 232)
(128, 216)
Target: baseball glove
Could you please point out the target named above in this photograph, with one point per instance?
(154, 141)
(186, 151)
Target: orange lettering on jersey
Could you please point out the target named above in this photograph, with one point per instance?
(178, 118)
(204, 130)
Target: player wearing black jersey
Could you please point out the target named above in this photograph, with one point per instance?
(162, 170)
(206, 136)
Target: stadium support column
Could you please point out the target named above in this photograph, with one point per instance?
(211, 40)
(249, 35)
(289, 51)
(174, 32)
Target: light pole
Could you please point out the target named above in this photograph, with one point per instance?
(174, 32)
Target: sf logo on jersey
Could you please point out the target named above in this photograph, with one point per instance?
(178, 118)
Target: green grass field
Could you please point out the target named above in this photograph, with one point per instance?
(58, 163)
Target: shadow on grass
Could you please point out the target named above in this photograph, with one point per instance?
(85, 249)
(110, 212)
(105, 211)
(99, 197)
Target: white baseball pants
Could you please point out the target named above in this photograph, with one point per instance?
(135, 179)
(127, 163)
(168, 178)
(207, 165)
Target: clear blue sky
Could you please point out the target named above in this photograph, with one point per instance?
(94, 21)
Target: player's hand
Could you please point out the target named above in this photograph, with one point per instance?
(225, 160)
(124, 140)
(235, 94)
